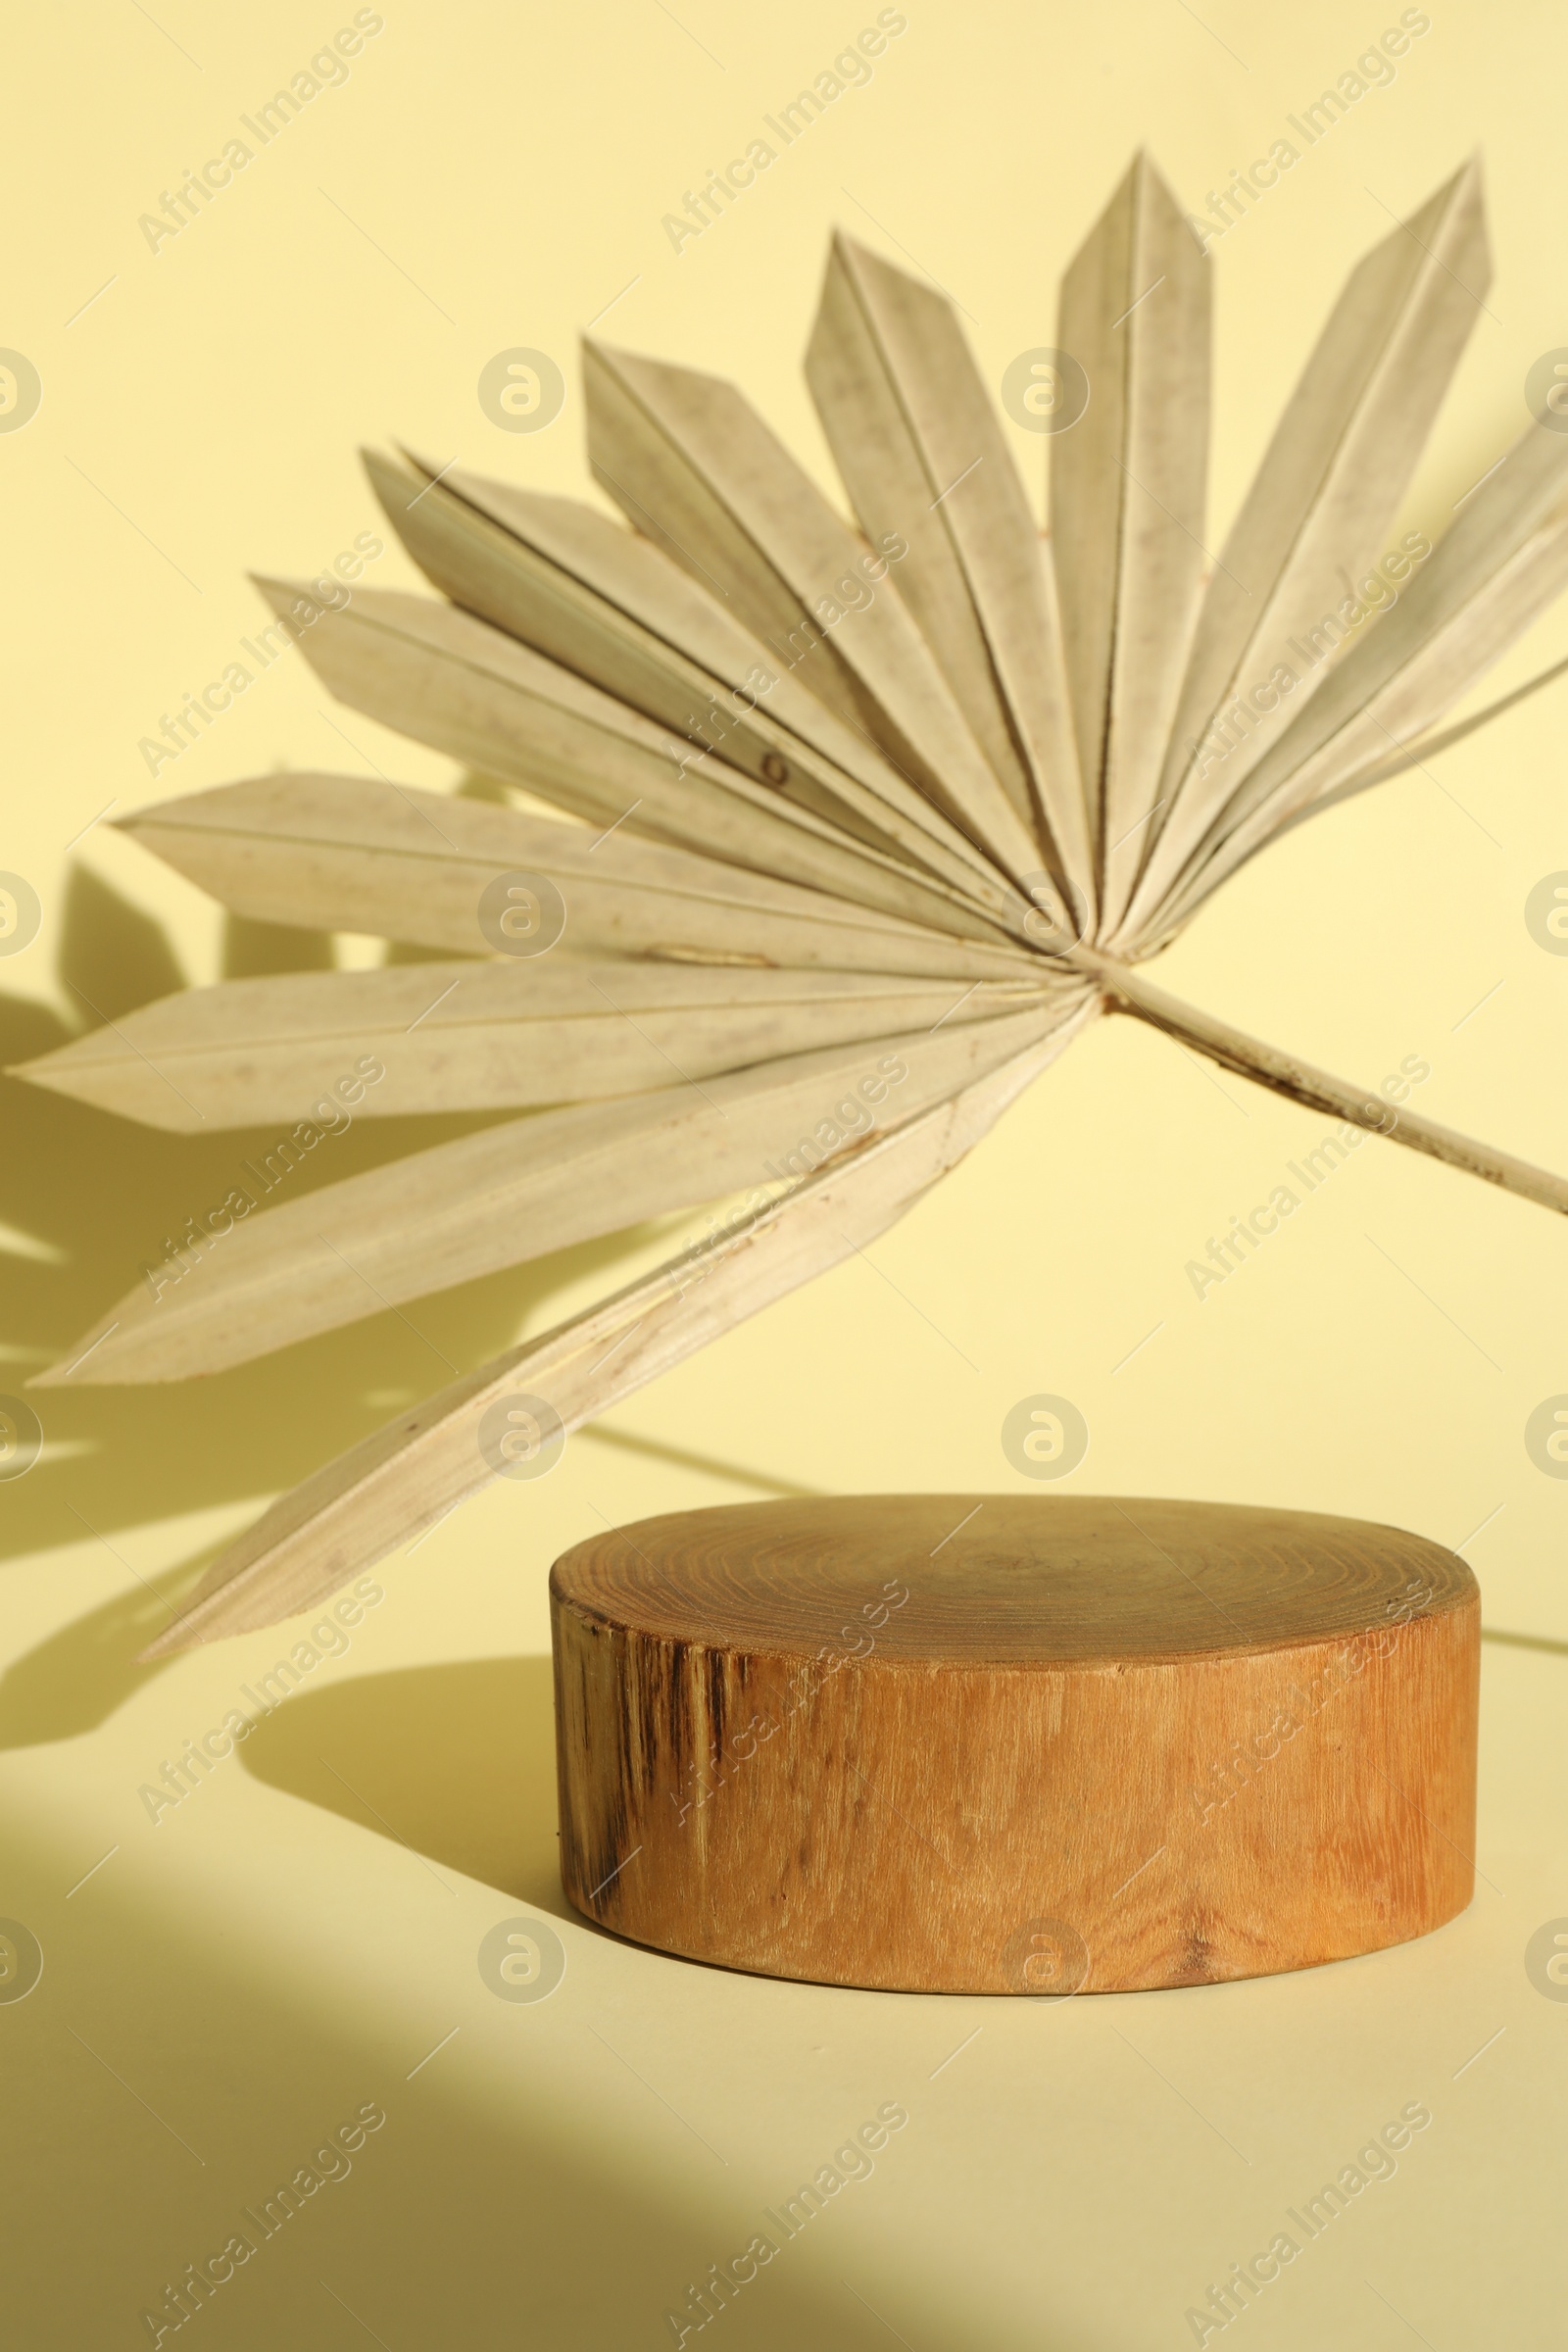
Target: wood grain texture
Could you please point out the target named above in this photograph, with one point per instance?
(1015, 1745)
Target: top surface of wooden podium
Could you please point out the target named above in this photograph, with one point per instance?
(1007, 1579)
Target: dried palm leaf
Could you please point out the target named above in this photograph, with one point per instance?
(422, 1465)
(512, 1193)
(454, 1037)
(1127, 492)
(858, 831)
(1328, 486)
(1504, 560)
(344, 854)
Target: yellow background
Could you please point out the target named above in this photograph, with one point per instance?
(234, 1980)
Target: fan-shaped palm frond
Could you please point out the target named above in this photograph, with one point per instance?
(870, 821)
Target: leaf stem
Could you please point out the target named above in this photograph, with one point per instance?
(1362, 1106)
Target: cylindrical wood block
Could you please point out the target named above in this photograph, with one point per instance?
(1015, 1745)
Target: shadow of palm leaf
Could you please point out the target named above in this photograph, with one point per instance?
(90, 1199)
(457, 1762)
(74, 1680)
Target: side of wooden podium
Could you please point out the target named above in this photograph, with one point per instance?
(1046, 1828)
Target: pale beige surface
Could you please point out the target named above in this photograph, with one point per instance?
(265, 1956)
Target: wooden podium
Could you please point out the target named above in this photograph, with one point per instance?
(993, 1744)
